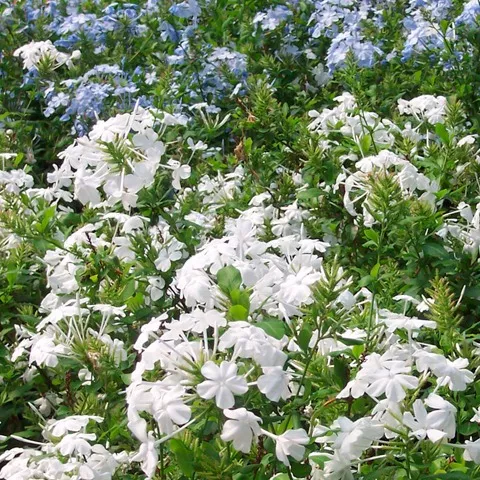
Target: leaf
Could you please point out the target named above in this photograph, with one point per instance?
(228, 279)
(372, 235)
(319, 459)
(366, 280)
(309, 193)
(357, 350)
(274, 328)
(365, 143)
(240, 297)
(238, 312)
(304, 337)
(247, 145)
(183, 455)
(340, 369)
(436, 250)
(442, 133)
(375, 270)
(449, 476)
(351, 341)
(129, 290)
(301, 470)
(382, 473)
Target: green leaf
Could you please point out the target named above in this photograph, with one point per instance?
(375, 270)
(129, 290)
(309, 193)
(304, 337)
(449, 476)
(372, 235)
(274, 328)
(183, 455)
(247, 145)
(442, 133)
(319, 459)
(357, 350)
(228, 279)
(382, 473)
(240, 297)
(238, 312)
(340, 368)
(351, 341)
(436, 250)
(366, 280)
(301, 470)
(365, 143)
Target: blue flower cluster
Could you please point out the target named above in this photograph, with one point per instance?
(329, 32)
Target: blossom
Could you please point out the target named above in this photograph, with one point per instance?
(76, 443)
(422, 425)
(351, 439)
(222, 383)
(148, 455)
(242, 428)
(274, 383)
(395, 321)
(450, 373)
(179, 172)
(34, 52)
(289, 443)
(454, 374)
(169, 409)
(74, 423)
(380, 375)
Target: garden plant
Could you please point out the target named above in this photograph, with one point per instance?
(239, 240)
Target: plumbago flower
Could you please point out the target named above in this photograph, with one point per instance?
(120, 156)
(222, 383)
(199, 277)
(69, 452)
(241, 429)
(34, 53)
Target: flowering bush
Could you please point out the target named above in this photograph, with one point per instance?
(239, 240)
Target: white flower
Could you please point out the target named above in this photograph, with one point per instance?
(395, 321)
(476, 417)
(337, 468)
(201, 321)
(74, 423)
(290, 443)
(196, 146)
(45, 404)
(222, 383)
(443, 417)
(454, 374)
(351, 439)
(179, 172)
(148, 455)
(274, 383)
(380, 376)
(450, 373)
(241, 429)
(296, 288)
(85, 376)
(421, 423)
(472, 451)
(34, 52)
(169, 409)
(76, 444)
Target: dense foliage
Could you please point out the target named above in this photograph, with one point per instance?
(239, 240)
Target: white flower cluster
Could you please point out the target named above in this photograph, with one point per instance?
(256, 320)
(34, 53)
(69, 452)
